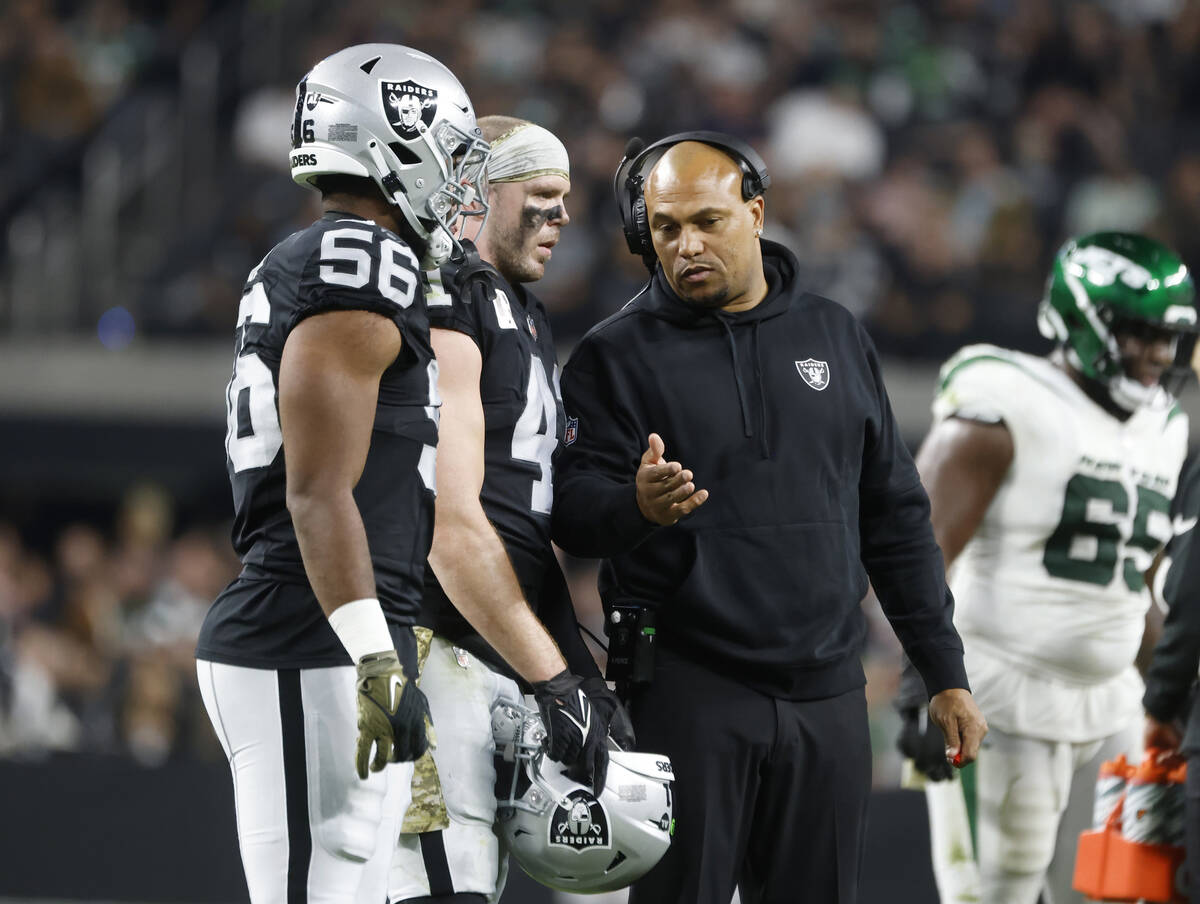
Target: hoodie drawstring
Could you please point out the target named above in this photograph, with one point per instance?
(737, 377)
(747, 425)
(762, 393)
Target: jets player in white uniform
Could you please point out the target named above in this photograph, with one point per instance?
(1050, 480)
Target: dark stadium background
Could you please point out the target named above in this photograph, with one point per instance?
(928, 157)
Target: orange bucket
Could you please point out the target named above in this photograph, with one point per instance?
(1111, 867)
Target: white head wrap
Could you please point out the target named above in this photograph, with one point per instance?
(526, 152)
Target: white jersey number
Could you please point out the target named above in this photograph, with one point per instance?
(344, 264)
(536, 434)
(252, 434)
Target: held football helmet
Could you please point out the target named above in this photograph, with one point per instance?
(1108, 283)
(557, 830)
(399, 117)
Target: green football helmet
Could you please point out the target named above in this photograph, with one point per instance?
(1109, 283)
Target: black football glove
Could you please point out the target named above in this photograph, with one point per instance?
(576, 730)
(393, 714)
(922, 742)
(620, 727)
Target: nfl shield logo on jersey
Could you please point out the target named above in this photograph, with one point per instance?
(408, 105)
(532, 325)
(580, 823)
(814, 372)
(572, 432)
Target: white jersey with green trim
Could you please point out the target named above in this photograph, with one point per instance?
(1050, 594)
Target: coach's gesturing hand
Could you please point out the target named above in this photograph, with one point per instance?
(393, 714)
(665, 489)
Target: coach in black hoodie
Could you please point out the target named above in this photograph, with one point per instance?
(755, 551)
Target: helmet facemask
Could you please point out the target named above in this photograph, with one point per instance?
(1107, 285)
(459, 194)
(1132, 394)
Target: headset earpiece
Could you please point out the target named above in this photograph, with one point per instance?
(641, 223)
(629, 179)
(627, 186)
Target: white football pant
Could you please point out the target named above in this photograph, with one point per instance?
(466, 856)
(1033, 798)
(310, 830)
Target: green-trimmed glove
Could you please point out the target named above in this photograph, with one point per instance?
(392, 714)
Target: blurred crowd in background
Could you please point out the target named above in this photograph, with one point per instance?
(98, 632)
(927, 157)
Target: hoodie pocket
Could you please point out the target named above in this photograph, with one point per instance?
(783, 591)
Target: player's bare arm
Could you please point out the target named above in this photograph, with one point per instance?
(328, 388)
(468, 555)
(666, 490)
(962, 464)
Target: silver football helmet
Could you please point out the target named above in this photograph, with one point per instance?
(560, 833)
(399, 117)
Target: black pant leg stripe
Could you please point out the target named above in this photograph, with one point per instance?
(295, 783)
(437, 867)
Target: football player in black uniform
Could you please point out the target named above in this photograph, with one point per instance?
(496, 604)
(306, 661)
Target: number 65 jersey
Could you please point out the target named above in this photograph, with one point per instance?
(269, 617)
(1050, 595)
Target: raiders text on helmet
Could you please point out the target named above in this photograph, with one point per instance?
(1107, 283)
(399, 117)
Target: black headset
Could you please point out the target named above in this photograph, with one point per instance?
(639, 159)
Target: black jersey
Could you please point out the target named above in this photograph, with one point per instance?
(524, 423)
(269, 616)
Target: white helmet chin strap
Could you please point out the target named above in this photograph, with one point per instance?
(392, 189)
(439, 244)
(438, 249)
(1132, 395)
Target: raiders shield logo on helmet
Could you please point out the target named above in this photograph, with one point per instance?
(814, 372)
(579, 823)
(408, 106)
